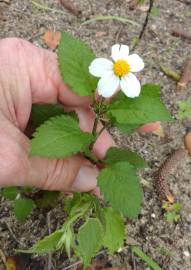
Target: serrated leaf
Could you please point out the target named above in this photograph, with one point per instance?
(42, 112)
(23, 207)
(133, 112)
(59, 137)
(114, 233)
(74, 59)
(126, 128)
(90, 239)
(47, 244)
(10, 192)
(115, 155)
(120, 186)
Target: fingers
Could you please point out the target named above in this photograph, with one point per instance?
(69, 174)
(149, 127)
(47, 86)
(104, 141)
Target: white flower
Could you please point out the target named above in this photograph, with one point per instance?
(118, 74)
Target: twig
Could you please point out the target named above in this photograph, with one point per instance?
(44, 7)
(167, 168)
(170, 73)
(151, 2)
(13, 235)
(118, 34)
(109, 17)
(3, 257)
(79, 262)
(186, 2)
(179, 31)
(49, 261)
(186, 75)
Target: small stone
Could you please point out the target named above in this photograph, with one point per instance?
(186, 253)
(153, 215)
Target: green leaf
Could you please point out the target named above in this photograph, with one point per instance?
(47, 244)
(10, 192)
(90, 238)
(146, 258)
(126, 128)
(46, 199)
(114, 233)
(115, 155)
(59, 137)
(23, 207)
(120, 186)
(134, 112)
(42, 112)
(74, 59)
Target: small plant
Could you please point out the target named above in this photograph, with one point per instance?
(58, 136)
(184, 109)
(22, 206)
(172, 211)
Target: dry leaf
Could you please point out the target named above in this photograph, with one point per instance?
(143, 8)
(17, 262)
(69, 5)
(51, 38)
(159, 132)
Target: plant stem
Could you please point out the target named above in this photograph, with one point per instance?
(95, 125)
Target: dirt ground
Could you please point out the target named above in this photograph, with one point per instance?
(167, 243)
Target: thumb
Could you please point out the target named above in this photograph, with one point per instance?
(70, 174)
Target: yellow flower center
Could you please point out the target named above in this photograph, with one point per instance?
(121, 68)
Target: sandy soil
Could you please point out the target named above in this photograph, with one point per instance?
(167, 243)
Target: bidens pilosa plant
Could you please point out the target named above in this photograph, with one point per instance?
(58, 136)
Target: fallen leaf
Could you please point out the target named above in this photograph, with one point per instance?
(51, 38)
(159, 132)
(100, 34)
(69, 5)
(17, 262)
(143, 8)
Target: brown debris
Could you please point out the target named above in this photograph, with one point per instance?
(71, 7)
(187, 142)
(186, 75)
(168, 167)
(179, 31)
(51, 38)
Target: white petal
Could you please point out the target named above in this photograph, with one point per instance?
(124, 52)
(115, 52)
(108, 84)
(136, 63)
(130, 85)
(99, 66)
(119, 52)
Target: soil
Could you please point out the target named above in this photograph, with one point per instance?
(167, 243)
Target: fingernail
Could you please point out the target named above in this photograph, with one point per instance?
(86, 179)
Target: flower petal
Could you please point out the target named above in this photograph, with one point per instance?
(108, 84)
(136, 63)
(99, 66)
(124, 52)
(130, 85)
(115, 52)
(119, 52)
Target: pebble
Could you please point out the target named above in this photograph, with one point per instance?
(186, 253)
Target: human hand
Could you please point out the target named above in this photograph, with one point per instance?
(30, 75)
